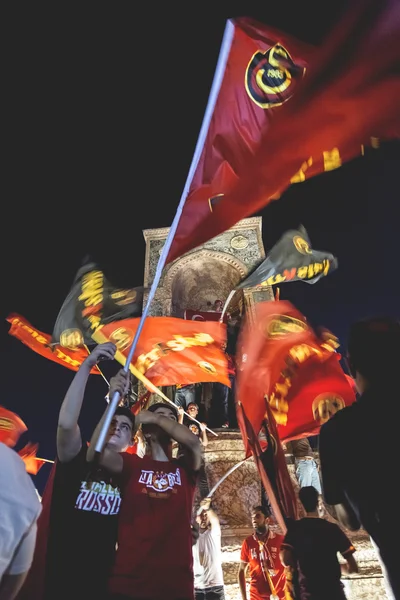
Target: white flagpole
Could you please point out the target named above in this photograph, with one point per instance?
(216, 85)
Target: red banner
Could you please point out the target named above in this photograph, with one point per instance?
(11, 427)
(171, 351)
(28, 455)
(348, 98)
(40, 343)
(262, 72)
(281, 359)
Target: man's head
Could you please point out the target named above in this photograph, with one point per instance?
(260, 519)
(164, 409)
(309, 498)
(120, 434)
(374, 352)
(192, 409)
(153, 432)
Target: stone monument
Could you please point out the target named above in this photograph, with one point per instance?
(195, 281)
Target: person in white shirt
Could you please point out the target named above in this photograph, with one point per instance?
(20, 508)
(207, 559)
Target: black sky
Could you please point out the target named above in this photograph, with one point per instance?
(101, 112)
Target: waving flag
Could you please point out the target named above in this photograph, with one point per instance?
(33, 464)
(283, 364)
(93, 301)
(262, 71)
(11, 427)
(41, 343)
(347, 98)
(171, 351)
(292, 259)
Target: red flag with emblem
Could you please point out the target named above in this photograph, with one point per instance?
(171, 351)
(262, 70)
(11, 427)
(282, 362)
(40, 343)
(347, 99)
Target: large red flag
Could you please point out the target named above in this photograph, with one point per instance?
(262, 71)
(282, 362)
(171, 351)
(348, 96)
(40, 343)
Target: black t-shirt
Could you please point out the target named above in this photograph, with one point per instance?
(358, 450)
(315, 543)
(83, 531)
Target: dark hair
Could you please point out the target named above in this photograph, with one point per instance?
(126, 412)
(192, 404)
(309, 498)
(158, 405)
(374, 349)
(261, 509)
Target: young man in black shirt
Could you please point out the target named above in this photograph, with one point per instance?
(358, 446)
(77, 541)
(311, 546)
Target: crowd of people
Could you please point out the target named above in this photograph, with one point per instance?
(121, 526)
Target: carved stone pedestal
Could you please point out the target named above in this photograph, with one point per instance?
(235, 497)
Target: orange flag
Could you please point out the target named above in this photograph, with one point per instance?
(40, 343)
(28, 455)
(11, 427)
(171, 351)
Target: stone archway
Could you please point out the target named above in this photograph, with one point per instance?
(195, 281)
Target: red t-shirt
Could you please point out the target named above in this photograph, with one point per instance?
(250, 553)
(154, 556)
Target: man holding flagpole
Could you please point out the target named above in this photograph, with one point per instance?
(154, 556)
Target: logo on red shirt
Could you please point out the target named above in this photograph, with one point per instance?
(160, 481)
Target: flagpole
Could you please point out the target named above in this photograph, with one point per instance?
(215, 87)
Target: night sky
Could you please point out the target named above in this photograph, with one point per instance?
(101, 116)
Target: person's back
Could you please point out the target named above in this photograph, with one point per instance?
(358, 446)
(19, 510)
(311, 545)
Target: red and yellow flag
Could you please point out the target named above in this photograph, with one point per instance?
(282, 362)
(11, 427)
(262, 72)
(32, 463)
(169, 350)
(347, 98)
(40, 343)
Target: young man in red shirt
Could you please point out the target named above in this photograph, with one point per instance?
(154, 557)
(260, 553)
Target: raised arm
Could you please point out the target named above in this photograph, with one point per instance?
(204, 438)
(177, 432)
(205, 505)
(69, 439)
